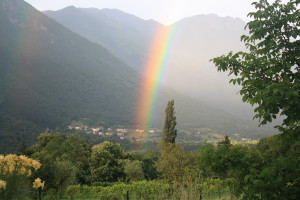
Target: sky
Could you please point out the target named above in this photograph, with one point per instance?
(163, 11)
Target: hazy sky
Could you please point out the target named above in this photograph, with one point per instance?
(164, 11)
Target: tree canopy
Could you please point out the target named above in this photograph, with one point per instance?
(107, 162)
(64, 159)
(269, 70)
(267, 171)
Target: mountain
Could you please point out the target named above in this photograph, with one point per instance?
(50, 76)
(45, 65)
(109, 29)
(197, 39)
(145, 27)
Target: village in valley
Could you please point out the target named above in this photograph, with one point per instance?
(153, 134)
(123, 133)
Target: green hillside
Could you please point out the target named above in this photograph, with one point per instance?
(50, 76)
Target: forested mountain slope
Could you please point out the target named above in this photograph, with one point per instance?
(50, 75)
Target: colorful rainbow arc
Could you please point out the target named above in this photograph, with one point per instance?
(155, 71)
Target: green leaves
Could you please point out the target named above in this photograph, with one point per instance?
(177, 165)
(267, 171)
(107, 162)
(269, 70)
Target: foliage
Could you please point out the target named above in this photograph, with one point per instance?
(269, 75)
(150, 190)
(107, 162)
(268, 171)
(62, 157)
(215, 185)
(225, 141)
(177, 165)
(281, 159)
(149, 168)
(137, 190)
(14, 132)
(97, 139)
(65, 174)
(133, 170)
(269, 70)
(169, 132)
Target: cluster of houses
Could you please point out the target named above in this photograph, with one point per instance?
(135, 134)
(100, 130)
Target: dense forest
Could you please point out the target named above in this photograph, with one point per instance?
(61, 165)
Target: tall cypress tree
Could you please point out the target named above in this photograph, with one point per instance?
(170, 133)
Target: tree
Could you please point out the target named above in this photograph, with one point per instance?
(226, 141)
(267, 171)
(174, 163)
(107, 162)
(22, 148)
(134, 170)
(269, 71)
(149, 161)
(169, 132)
(65, 175)
(177, 165)
(52, 148)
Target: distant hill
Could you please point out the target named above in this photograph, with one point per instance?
(198, 39)
(110, 29)
(50, 76)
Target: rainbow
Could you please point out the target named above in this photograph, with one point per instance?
(155, 72)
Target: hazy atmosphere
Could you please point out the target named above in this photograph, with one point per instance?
(149, 99)
(164, 11)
